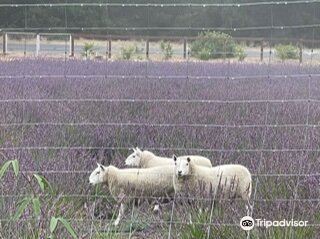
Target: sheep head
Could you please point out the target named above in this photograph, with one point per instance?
(182, 166)
(97, 176)
(134, 159)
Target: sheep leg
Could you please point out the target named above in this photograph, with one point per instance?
(156, 208)
(120, 215)
(248, 208)
(160, 201)
(190, 220)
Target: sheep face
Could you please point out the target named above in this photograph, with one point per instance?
(134, 158)
(96, 176)
(182, 166)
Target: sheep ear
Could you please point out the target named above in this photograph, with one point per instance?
(174, 157)
(134, 150)
(101, 166)
(138, 150)
(188, 159)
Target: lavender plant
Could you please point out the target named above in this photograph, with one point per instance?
(59, 118)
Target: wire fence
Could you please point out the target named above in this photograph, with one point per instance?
(296, 182)
(149, 27)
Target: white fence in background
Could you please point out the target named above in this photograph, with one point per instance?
(24, 43)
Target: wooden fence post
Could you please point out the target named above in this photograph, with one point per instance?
(261, 51)
(71, 46)
(147, 48)
(300, 52)
(109, 49)
(184, 48)
(5, 43)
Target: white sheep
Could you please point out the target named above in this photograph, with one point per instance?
(126, 185)
(230, 181)
(147, 159)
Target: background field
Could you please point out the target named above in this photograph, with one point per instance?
(26, 45)
(59, 118)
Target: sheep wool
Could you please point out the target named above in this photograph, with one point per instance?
(153, 182)
(128, 184)
(231, 181)
(147, 159)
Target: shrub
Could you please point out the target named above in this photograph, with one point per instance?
(240, 54)
(166, 49)
(213, 45)
(129, 51)
(285, 52)
(88, 49)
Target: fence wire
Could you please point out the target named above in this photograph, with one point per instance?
(147, 74)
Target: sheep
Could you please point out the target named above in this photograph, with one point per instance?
(150, 182)
(232, 181)
(146, 159)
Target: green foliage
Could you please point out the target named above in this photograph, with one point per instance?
(285, 52)
(175, 16)
(5, 166)
(88, 49)
(166, 49)
(33, 201)
(22, 206)
(280, 233)
(213, 45)
(43, 183)
(240, 54)
(54, 223)
(198, 228)
(36, 206)
(127, 52)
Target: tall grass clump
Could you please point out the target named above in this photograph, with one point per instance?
(166, 49)
(88, 49)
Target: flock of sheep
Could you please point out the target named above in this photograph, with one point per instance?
(158, 177)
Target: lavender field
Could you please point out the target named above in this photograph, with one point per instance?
(58, 118)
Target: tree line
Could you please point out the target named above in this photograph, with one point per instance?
(166, 21)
